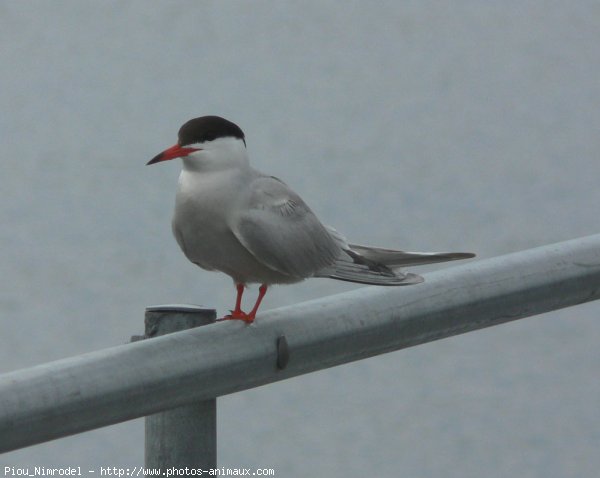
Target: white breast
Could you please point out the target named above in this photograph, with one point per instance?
(204, 206)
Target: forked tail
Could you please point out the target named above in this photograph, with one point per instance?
(377, 266)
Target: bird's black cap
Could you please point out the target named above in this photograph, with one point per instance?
(208, 128)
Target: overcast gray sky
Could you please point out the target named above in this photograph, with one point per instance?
(417, 125)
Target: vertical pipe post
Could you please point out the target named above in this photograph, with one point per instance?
(184, 436)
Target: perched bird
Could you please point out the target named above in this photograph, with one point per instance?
(234, 219)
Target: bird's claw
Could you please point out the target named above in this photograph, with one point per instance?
(239, 315)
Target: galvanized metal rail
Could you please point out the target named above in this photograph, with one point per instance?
(142, 378)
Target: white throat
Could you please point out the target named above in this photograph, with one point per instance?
(217, 155)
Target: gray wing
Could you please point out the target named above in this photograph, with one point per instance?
(374, 265)
(281, 231)
(352, 266)
(393, 258)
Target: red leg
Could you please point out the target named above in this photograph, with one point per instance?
(238, 299)
(237, 313)
(262, 290)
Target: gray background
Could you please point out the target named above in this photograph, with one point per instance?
(420, 125)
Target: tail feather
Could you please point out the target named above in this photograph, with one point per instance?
(392, 258)
(360, 273)
(377, 266)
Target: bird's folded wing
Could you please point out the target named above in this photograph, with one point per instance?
(392, 258)
(281, 231)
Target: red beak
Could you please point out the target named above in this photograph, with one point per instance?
(173, 152)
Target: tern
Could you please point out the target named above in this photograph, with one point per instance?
(231, 218)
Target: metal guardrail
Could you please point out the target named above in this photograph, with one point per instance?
(149, 376)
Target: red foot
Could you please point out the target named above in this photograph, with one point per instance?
(239, 315)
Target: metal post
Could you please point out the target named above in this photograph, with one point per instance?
(185, 436)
